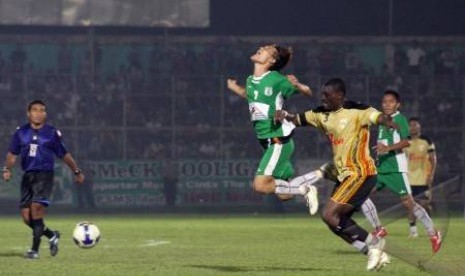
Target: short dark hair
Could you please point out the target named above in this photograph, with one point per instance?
(35, 102)
(283, 57)
(394, 93)
(338, 84)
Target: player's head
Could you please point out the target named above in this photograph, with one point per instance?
(36, 112)
(333, 95)
(274, 57)
(390, 102)
(414, 126)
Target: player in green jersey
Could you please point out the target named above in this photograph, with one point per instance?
(392, 169)
(265, 92)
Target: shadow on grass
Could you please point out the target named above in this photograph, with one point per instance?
(346, 252)
(229, 268)
(11, 254)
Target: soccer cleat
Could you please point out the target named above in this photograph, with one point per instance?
(436, 241)
(54, 244)
(374, 258)
(31, 254)
(384, 261)
(375, 251)
(311, 198)
(379, 232)
(413, 232)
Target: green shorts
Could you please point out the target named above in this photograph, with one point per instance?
(276, 161)
(396, 182)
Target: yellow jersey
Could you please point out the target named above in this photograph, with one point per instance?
(348, 131)
(419, 165)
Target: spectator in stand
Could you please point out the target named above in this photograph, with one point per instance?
(416, 57)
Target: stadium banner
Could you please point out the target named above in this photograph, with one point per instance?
(215, 183)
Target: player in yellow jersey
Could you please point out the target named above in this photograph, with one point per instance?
(421, 156)
(348, 132)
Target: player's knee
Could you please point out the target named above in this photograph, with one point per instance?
(330, 219)
(262, 185)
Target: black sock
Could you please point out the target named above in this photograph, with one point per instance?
(350, 231)
(37, 232)
(413, 223)
(48, 232)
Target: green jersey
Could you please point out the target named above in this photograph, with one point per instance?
(393, 161)
(265, 95)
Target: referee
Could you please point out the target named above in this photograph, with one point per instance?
(36, 143)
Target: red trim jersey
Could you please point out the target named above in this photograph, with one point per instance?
(348, 131)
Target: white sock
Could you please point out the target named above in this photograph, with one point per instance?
(307, 179)
(360, 246)
(284, 188)
(421, 215)
(371, 214)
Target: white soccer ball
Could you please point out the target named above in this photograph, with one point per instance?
(86, 234)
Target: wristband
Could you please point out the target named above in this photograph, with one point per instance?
(77, 172)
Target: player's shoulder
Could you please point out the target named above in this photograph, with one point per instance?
(277, 76)
(23, 127)
(399, 116)
(426, 138)
(355, 105)
(319, 109)
(52, 129)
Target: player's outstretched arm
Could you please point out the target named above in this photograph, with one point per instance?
(69, 160)
(302, 88)
(9, 163)
(236, 88)
(281, 115)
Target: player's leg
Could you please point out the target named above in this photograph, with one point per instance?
(42, 190)
(420, 214)
(338, 211)
(25, 205)
(273, 170)
(413, 231)
(423, 197)
(371, 213)
(305, 184)
(401, 186)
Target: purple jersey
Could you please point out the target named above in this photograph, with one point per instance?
(36, 147)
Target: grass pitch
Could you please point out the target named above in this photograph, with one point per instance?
(216, 245)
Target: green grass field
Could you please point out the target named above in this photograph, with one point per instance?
(217, 245)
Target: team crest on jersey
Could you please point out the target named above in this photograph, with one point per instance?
(268, 91)
(343, 123)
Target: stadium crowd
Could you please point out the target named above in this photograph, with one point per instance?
(163, 99)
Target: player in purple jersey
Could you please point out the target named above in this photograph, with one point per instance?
(36, 143)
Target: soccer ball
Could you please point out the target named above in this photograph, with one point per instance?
(86, 234)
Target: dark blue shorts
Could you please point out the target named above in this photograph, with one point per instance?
(36, 186)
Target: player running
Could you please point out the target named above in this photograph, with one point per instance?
(422, 162)
(392, 169)
(348, 132)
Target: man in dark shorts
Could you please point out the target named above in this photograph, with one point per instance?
(347, 128)
(36, 143)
